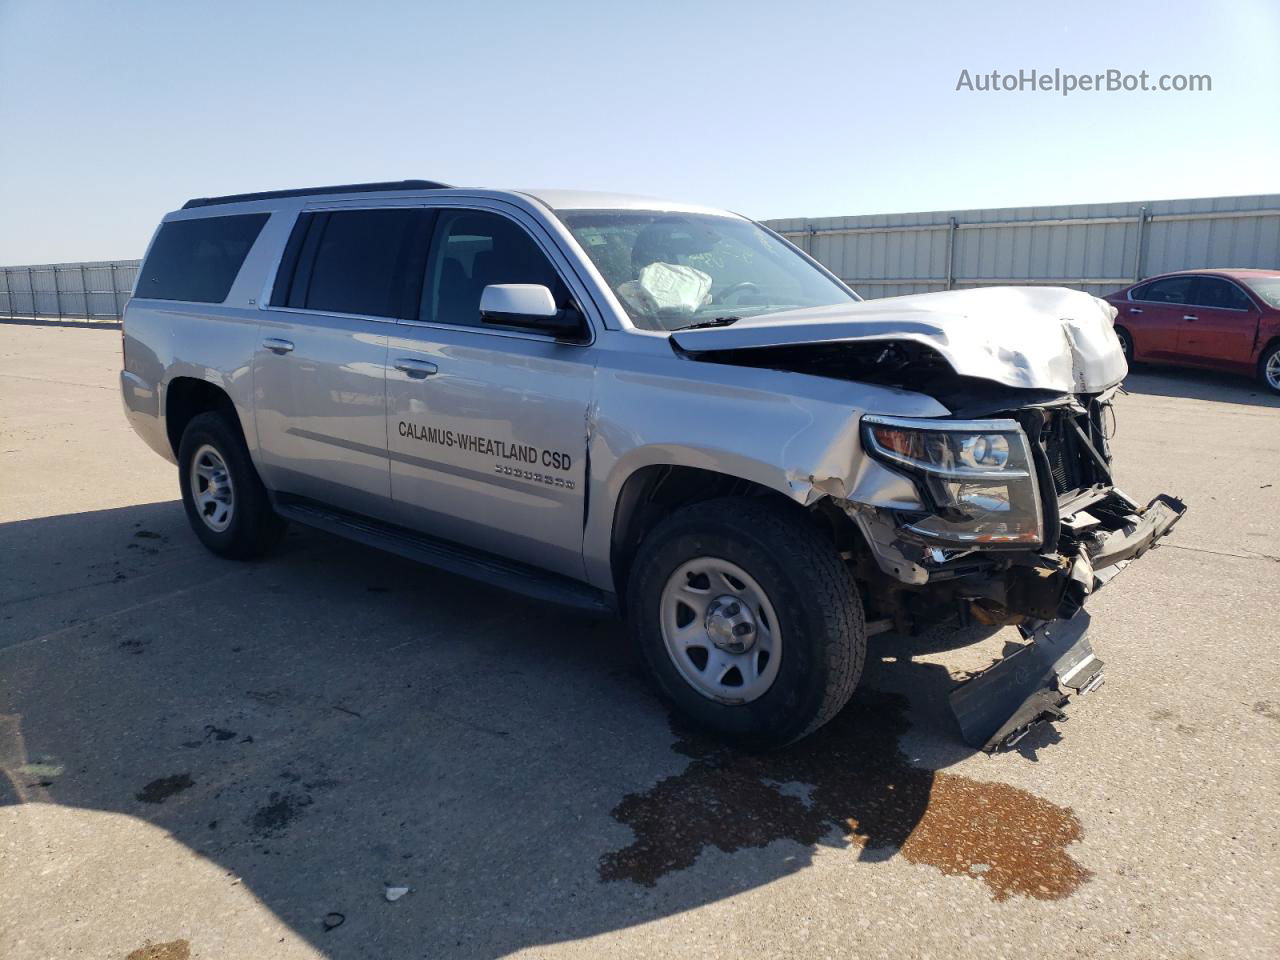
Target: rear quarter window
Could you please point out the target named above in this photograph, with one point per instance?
(197, 260)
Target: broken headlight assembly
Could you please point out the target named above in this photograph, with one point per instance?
(976, 476)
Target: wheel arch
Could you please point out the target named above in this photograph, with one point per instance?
(655, 491)
(188, 397)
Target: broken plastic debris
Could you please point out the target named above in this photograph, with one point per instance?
(395, 893)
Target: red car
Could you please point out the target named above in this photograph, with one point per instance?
(1222, 319)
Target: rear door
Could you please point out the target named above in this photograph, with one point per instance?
(487, 426)
(1154, 316)
(1220, 323)
(346, 277)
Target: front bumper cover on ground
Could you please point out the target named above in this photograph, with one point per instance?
(999, 706)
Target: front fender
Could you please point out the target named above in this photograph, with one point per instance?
(794, 434)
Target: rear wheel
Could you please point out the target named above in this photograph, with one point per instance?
(1269, 367)
(226, 503)
(748, 618)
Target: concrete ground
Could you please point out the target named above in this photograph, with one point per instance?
(210, 759)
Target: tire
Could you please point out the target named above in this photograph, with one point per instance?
(1126, 344)
(806, 626)
(1269, 367)
(248, 527)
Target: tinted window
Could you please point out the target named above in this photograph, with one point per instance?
(366, 262)
(1216, 292)
(197, 260)
(1169, 290)
(472, 250)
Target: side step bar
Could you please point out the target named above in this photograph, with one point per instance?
(450, 557)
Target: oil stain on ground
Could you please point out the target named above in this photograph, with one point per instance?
(162, 788)
(280, 810)
(173, 950)
(860, 784)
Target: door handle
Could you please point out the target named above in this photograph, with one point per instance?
(1189, 316)
(1135, 309)
(276, 345)
(416, 369)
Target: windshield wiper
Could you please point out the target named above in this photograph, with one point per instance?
(713, 322)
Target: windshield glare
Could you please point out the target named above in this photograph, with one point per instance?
(672, 270)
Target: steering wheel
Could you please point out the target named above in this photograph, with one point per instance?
(737, 288)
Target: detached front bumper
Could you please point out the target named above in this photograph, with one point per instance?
(1121, 547)
(1000, 706)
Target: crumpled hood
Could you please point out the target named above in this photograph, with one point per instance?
(1047, 338)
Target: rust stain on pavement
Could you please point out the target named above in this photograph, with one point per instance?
(849, 777)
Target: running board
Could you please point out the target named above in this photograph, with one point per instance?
(450, 557)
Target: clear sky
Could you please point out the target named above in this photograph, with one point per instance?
(113, 113)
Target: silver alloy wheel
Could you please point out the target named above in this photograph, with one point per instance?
(211, 488)
(1272, 370)
(720, 630)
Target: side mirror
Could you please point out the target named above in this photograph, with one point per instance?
(528, 306)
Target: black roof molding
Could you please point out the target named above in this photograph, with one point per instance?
(385, 186)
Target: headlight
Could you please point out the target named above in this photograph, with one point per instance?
(977, 475)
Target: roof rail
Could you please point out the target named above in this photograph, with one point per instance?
(382, 187)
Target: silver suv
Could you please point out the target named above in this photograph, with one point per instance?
(657, 408)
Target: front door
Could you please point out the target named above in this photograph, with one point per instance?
(1154, 317)
(320, 369)
(1219, 324)
(487, 427)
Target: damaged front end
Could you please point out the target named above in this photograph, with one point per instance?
(1006, 511)
(1018, 521)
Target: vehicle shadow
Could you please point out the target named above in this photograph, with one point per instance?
(333, 719)
(1198, 385)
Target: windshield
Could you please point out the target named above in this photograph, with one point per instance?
(671, 271)
(1268, 288)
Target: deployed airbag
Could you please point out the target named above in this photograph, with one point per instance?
(667, 288)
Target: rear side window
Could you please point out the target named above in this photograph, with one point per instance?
(197, 260)
(1216, 292)
(365, 262)
(473, 249)
(1169, 290)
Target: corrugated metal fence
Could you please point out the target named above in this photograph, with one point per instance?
(1092, 246)
(1097, 247)
(97, 290)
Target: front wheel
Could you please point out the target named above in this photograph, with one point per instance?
(1269, 367)
(226, 503)
(748, 618)
(1126, 344)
